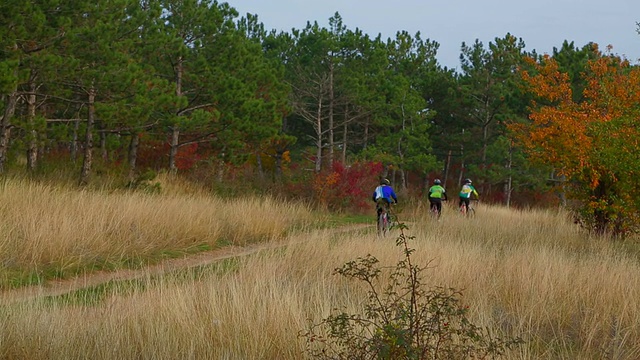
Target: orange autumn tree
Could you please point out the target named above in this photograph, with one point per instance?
(592, 143)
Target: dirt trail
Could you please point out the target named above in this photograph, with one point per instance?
(60, 287)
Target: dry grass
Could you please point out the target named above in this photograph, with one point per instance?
(530, 273)
(47, 227)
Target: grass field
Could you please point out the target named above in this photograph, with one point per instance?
(532, 274)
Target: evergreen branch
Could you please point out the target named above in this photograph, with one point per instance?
(193, 108)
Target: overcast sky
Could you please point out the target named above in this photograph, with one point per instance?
(542, 24)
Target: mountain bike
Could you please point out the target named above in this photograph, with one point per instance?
(434, 213)
(384, 218)
(471, 212)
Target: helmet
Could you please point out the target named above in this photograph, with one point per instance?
(385, 182)
(467, 181)
(437, 181)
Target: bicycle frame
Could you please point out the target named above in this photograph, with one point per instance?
(383, 222)
(470, 211)
(434, 212)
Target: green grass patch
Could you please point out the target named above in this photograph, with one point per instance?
(176, 253)
(337, 220)
(95, 295)
(16, 278)
(203, 272)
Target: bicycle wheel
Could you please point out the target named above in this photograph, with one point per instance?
(382, 224)
(387, 223)
(435, 214)
(463, 210)
(471, 212)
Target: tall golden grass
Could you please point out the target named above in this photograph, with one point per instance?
(530, 273)
(53, 227)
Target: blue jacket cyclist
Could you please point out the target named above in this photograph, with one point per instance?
(384, 195)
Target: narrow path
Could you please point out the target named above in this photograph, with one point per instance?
(61, 287)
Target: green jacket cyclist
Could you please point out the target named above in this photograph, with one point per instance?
(436, 194)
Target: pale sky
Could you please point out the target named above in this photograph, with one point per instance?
(541, 24)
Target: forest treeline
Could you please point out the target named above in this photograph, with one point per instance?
(193, 87)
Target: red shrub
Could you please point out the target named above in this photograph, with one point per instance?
(347, 187)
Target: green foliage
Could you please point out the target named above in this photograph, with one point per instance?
(403, 320)
(403, 119)
(592, 143)
(187, 72)
(145, 182)
(490, 97)
(613, 204)
(573, 62)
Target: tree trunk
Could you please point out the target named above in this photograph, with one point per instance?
(103, 147)
(508, 186)
(318, 164)
(344, 142)
(485, 140)
(175, 130)
(366, 135)
(331, 120)
(74, 141)
(385, 172)
(461, 161)
(403, 179)
(173, 151)
(461, 175)
(5, 130)
(32, 146)
(278, 157)
(259, 166)
(88, 139)
(133, 155)
(563, 194)
(221, 166)
(601, 216)
(447, 168)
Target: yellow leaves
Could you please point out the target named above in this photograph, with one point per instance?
(286, 156)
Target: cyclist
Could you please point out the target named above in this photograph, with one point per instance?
(436, 195)
(384, 195)
(465, 194)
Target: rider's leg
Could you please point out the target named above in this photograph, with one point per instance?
(380, 205)
(387, 207)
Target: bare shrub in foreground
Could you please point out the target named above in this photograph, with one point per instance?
(404, 320)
